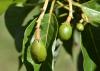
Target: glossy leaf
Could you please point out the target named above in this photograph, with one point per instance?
(49, 33)
(26, 56)
(92, 10)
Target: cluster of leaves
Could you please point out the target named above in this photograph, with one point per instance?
(21, 17)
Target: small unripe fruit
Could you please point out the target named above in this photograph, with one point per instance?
(38, 51)
(80, 26)
(65, 31)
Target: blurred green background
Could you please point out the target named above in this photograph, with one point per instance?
(9, 56)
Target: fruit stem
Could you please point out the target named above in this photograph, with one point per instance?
(37, 35)
(85, 17)
(70, 11)
(81, 21)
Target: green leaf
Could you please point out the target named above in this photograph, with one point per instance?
(88, 64)
(92, 10)
(48, 35)
(49, 30)
(18, 21)
(26, 55)
(91, 42)
(32, 14)
(4, 4)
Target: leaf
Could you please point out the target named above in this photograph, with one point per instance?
(15, 24)
(48, 35)
(91, 42)
(88, 64)
(20, 18)
(4, 4)
(49, 30)
(92, 10)
(32, 14)
(26, 56)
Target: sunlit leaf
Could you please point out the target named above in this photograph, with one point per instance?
(88, 64)
(49, 33)
(92, 10)
(26, 56)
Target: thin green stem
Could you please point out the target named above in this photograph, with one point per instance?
(62, 5)
(62, 15)
(74, 3)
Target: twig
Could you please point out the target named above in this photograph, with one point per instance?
(70, 11)
(76, 4)
(37, 34)
(42, 13)
(62, 5)
(62, 15)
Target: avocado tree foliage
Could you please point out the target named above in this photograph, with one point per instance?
(39, 25)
